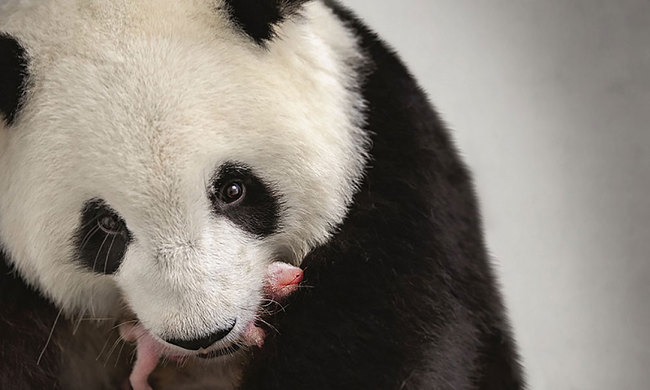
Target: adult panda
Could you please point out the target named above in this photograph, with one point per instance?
(159, 156)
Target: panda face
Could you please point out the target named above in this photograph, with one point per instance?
(160, 160)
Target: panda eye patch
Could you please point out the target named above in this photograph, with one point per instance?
(102, 238)
(238, 194)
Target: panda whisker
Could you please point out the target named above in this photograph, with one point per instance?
(273, 308)
(110, 352)
(231, 348)
(184, 362)
(133, 355)
(98, 319)
(92, 220)
(117, 360)
(265, 309)
(101, 352)
(99, 251)
(268, 324)
(281, 308)
(78, 322)
(108, 253)
(271, 302)
(92, 305)
(266, 302)
(49, 337)
(135, 322)
(87, 238)
(268, 312)
(164, 360)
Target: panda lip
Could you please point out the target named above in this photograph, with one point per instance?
(220, 352)
(253, 335)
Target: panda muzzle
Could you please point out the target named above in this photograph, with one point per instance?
(281, 281)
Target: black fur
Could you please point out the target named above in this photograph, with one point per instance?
(403, 297)
(259, 210)
(99, 250)
(257, 18)
(25, 321)
(41, 349)
(13, 77)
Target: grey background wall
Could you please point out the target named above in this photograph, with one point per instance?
(549, 102)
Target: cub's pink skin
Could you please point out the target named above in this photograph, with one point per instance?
(282, 280)
(254, 336)
(148, 353)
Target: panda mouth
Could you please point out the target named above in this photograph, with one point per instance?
(152, 347)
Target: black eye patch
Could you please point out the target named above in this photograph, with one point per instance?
(258, 18)
(102, 238)
(239, 195)
(13, 77)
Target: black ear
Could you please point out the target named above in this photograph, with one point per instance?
(13, 77)
(258, 18)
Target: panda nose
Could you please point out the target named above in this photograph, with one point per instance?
(203, 342)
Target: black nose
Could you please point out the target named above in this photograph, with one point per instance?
(203, 342)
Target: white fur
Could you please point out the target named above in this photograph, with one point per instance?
(138, 103)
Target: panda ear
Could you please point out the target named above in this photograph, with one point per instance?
(13, 77)
(258, 18)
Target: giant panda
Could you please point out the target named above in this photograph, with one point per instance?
(159, 157)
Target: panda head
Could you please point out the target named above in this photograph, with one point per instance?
(157, 156)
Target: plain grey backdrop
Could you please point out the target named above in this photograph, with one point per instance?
(549, 102)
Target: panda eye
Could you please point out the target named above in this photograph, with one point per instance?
(239, 195)
(110, 224)
(232, 192)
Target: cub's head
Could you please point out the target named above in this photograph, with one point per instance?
(159, 155)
